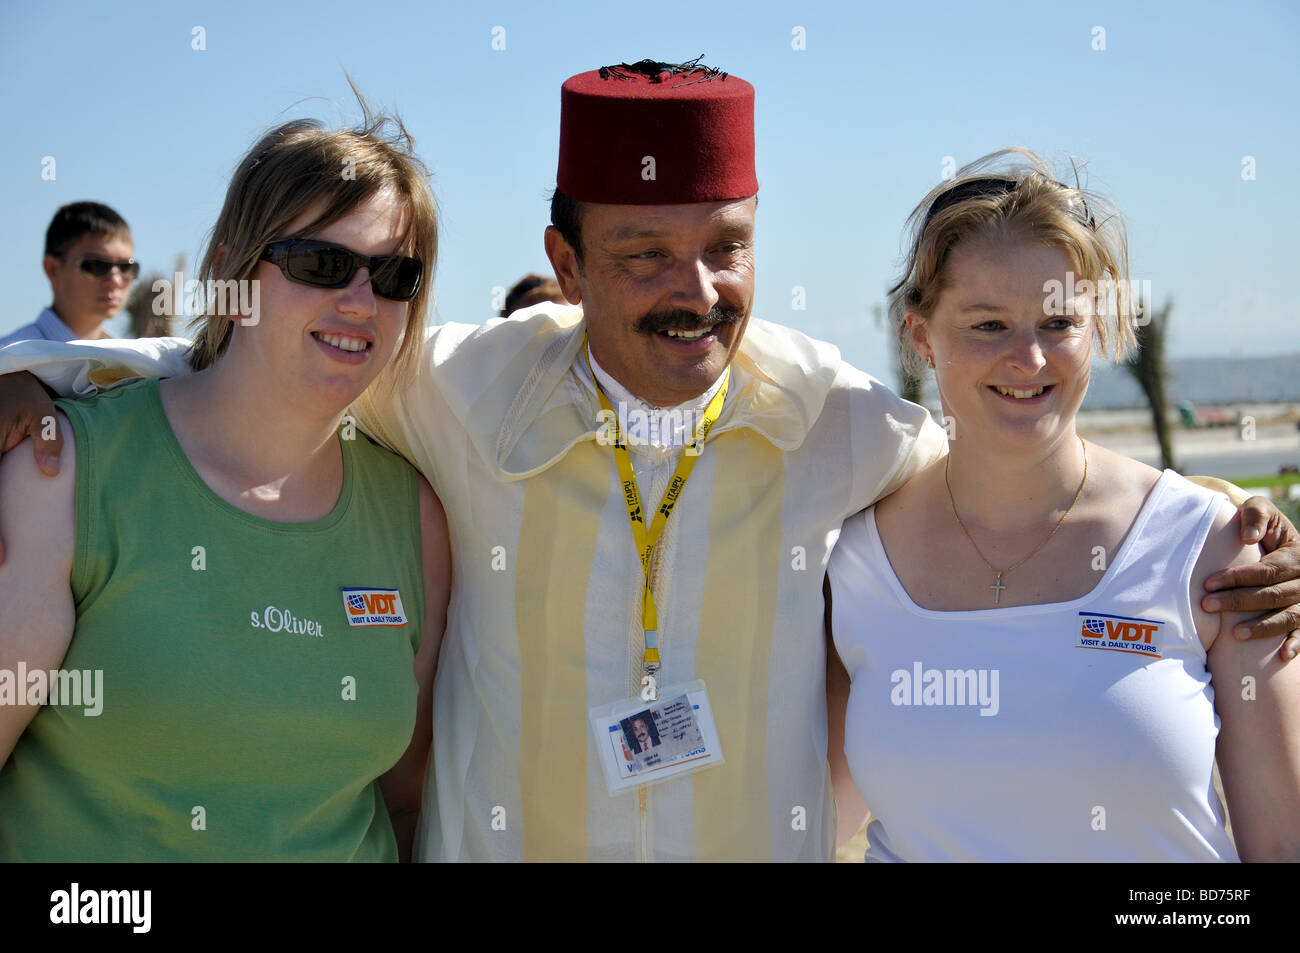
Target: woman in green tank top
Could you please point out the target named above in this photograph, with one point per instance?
(220, 626)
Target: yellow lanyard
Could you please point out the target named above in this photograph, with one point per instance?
(647, 541)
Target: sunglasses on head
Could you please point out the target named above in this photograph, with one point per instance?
(102, 267)
(326, 265)
(992, 187)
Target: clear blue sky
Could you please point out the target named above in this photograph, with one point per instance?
(851, 131)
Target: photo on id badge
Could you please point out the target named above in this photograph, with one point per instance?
(647, 742)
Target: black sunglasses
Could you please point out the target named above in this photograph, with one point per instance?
(101, 267)
(992, 187)
(326, 265)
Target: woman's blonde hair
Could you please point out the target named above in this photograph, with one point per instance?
(1012, 193)
(295, 168)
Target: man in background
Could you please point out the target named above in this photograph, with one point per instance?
(530, 290)
(88, 259)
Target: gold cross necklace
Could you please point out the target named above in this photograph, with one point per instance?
(997, 586)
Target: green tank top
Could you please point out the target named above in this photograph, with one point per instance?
(257, 676)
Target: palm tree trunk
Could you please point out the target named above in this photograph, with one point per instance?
(1148, 369)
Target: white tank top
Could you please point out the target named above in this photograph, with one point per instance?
(1072, 731)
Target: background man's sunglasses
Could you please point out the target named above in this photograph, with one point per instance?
(326, 265)
(101, 267)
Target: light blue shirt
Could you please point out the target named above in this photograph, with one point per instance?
(47, 327)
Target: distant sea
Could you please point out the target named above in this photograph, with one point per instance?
(1202, 380)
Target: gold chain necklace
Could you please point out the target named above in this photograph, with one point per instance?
(997, 586)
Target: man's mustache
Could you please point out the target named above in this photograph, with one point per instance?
(679, 320)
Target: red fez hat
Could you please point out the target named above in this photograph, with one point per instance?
(651, 133)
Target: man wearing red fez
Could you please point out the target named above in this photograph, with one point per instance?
(650, 431)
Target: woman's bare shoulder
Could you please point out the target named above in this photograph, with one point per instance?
(911, 503)
(1119, 473)
(1116, 490)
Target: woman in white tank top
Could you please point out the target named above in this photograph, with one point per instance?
(1032, 674)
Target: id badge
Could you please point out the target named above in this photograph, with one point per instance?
(643, 742)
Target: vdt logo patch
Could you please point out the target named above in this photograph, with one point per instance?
(1117, 633)
(373, 607)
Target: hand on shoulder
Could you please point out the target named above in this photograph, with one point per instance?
(37, 612)
(1223, 549)
(36, 509)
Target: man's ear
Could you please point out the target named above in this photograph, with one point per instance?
(50, 265)
(564, 261)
